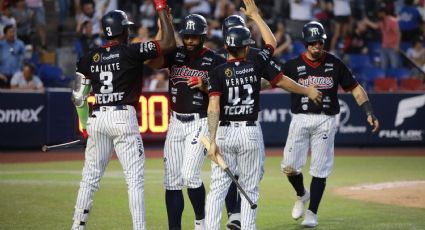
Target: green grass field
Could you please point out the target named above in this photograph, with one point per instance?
(42, 196)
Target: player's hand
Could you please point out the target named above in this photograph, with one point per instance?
(250, 8)
(84, 134)
(213, 151)
(160, 4)
(314, 94)
(373, 121)
(195, 82)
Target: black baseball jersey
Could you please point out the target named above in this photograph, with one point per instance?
(182, 68)
(252, 53)
(326, 74)
(238, 82)
(115, 71)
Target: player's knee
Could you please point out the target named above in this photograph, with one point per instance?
(290, 171)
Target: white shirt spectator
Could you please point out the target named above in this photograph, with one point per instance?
(18, 80)
(203, 7)
(302, 9)
(342, 8)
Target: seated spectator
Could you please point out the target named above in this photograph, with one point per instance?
(355, 43)
(159, 81)
(284, 42)
(26, 79)
(87, 40)
(417, 52)
(11, 53)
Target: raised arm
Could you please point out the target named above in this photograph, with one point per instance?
(251, 11)
(167, 41)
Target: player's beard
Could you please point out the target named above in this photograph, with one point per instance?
(316, 55)
(193, 50)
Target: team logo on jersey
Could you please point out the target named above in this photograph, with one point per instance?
(190, 25)
(318, 81)
(96, 57)
(182, 74)
(228, 72)
(301, 68)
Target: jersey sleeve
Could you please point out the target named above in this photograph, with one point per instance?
(215, 87)
(346, 78)
(145, 50)
(269, 69)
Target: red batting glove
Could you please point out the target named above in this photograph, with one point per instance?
(85, 134)
(194, 80)
(160, 4)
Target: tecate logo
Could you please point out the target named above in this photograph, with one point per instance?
(20, 115)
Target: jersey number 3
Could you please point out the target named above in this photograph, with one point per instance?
(106, 79)
(234, 97)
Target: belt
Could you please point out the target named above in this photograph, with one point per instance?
(237, 123)
(111, 108)
(188, 117)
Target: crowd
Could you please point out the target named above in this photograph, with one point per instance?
(378, 30)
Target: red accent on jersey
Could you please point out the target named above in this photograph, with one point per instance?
(313, 64)
(270, 47)
(276, 79)
(214, 94)
(236, 59)
(351, 88)
(158, 47)
(110, 43)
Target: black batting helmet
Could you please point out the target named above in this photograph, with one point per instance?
(313, 32)
(114, 23)
(194, 24)
(232, 21)
(238, 36)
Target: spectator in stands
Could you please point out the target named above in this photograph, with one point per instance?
(147, 14)
(410, 21)
(159, 81)
(342, 13)
(301, 12)
(198, 7)
(284, 41)
(26, 79)
(88, 13)
(87, 40)
(417, 52)
(355, 43)
(142, 35)
(391, 37)
(39, 18)
(11, 53)
(6, 17)
(23, 16)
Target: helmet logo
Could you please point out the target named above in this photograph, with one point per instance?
(314, 31)
(190, 25)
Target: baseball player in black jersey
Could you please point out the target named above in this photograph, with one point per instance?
(113, 72)
(184, 154)
(234, 105)
(233, 201)
(313, 126)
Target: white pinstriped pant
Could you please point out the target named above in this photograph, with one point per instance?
(242, 149)
(120, 130)
(184, 153)
(315, 131)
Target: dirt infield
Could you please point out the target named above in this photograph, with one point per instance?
(401, 193)
(78, 154)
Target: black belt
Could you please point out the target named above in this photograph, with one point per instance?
(111, 108)
(188, 117)
(246, 123)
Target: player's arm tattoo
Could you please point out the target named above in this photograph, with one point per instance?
(213, 116)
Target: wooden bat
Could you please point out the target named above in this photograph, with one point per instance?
(63, 145)
(220, 161)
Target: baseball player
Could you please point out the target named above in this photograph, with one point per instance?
(233, 204)
(112, 71)
(314, 126)
(184, 154)
(233, 106)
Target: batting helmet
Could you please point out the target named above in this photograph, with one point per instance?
(313, 32)
(238, 36)
(114, 23)
(232, 21)
(194, 24)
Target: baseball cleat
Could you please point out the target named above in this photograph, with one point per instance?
(310, 220)
(234, 222)
(298, 210)
(200, 224)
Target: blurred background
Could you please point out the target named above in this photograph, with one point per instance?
(40, 42)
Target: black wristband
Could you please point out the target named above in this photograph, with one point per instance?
(367, 108)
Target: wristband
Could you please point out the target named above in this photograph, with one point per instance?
(160, 4)
(367, 108)
(195, 80)
(85, 134)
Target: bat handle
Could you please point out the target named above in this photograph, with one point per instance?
(230, 174)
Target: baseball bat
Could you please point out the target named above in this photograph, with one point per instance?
(63, 145)
(220, 161)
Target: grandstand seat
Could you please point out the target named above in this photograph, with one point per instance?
(405, 45)
(385, 84)
(374, 50)
(398, 73)
(50, 75)
(411, 84)
(298, 47)
(366, 76)
(359, 61)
